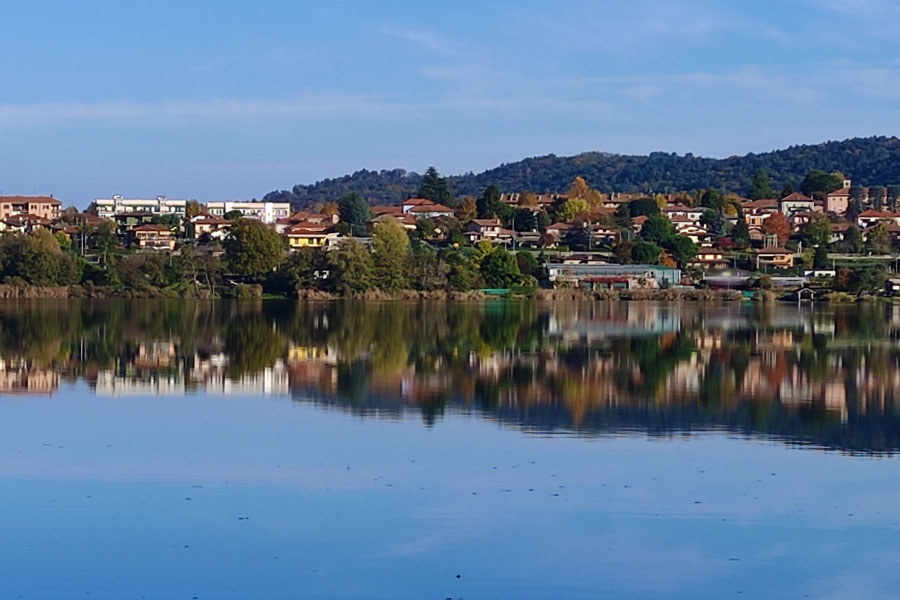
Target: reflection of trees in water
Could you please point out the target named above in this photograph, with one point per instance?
(826, 375)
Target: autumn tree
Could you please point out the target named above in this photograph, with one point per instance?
(571, 208)
(579, 188)
(777, 224)
(467, 210)
(192, 209)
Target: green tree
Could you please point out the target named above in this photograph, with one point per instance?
(435, 188)
(500, 269)
(740, 234)
(233, 215)
(820, 258)
(682, 249)
(761, 187)
(818, 230)
(252, 248)
(645, 253)
(876, 197)
(622, 252)
(713, 222)
(390, 255)
(712, 199)
(643, 206)
(853, 242)
(657, 229)
(817, 183)
(622, 216)
(302, 269)
(355, 212)
(462, 272)
(879, 239)
(489, 204)
(350, 268)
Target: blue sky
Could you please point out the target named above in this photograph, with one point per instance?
(229, 100)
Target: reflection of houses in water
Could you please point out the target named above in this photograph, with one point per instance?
(18, 377)
(154, 355)
(615, 321)
(270, 381)
(160, 384)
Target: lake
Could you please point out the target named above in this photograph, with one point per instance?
(169, 449)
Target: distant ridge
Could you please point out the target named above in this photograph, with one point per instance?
(868, 161)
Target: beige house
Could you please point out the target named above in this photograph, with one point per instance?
(154, 237)
(45, 207)
(779, 258)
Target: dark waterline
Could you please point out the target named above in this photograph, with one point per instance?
(270, 449)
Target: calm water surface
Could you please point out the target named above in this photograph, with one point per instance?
(500, 450)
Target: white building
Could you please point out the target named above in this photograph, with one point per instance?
(118, 205)
(267, 212)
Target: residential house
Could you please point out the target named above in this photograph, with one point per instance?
(774, 256)
(757, 211)
(154, 237)
(483, 229)
(45, 207)
(596, 275)
(838, 201)
(108, 208)
(212, 226)
(430, 211)
(796, 202)
(709, 258)
(838, 232)
(310, 235)
(24, 223)
(267, 212)
(867, 218)
(408, 221)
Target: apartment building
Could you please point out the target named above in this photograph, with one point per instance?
(45, 207)
(267, 212)
(108, 208)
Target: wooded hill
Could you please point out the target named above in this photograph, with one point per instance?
(868, 161)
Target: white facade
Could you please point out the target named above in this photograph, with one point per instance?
(118, 205)
(267, 212)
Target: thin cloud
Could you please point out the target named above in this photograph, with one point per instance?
(310, 106)
(427, 40)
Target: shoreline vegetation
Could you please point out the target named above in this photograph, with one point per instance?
(255, 292)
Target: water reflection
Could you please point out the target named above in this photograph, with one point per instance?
(828, 376)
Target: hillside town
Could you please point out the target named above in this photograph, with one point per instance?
(829, 238)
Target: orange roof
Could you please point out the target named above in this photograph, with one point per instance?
(840, 192)
(774, 250)
(430, 208)
(417, 202)
(796, 197)
(151, 227)
(881, 214)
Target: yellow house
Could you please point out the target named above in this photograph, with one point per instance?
(309, 235)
